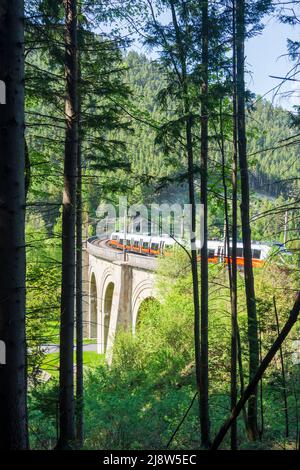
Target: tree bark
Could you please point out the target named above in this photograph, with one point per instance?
(286, 412)
(27, 170)
(241, 371)
(194, 266)
(79, 291)
(250, 389)
(245, 217)
(66, 380)
(204, 397)
(234, 324)
(13, 380)
(192, 202)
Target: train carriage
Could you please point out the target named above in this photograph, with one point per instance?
(165, 245)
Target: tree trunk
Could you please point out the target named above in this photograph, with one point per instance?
(204, 400)
(284, 388)
(232, 268)
(261, 387)
(13, 403)
(241, 370)
(293, 317)
(194, 264)
(27, 170)
(66, 380)
(79, 291)
(234, 324)
(245, 217)
(192, 202)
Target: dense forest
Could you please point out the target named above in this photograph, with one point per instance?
(268, 127)
(148, 163)
(212, 359)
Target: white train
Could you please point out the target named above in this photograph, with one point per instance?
(165, 245)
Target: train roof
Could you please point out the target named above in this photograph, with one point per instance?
(156, 239)
(212, 244)
(168, 240)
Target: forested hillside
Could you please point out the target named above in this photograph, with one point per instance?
(269, 130)
(270, 148)
(274, 154)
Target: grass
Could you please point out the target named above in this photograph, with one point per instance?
(52, 333)
(91, 359)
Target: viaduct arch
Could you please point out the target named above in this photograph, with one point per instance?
(115, 289)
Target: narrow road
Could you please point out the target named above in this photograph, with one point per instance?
(53, 348)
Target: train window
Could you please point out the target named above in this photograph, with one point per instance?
(121, 241)
(155, 246)
(128, 242)
(211, 252)
(145, 245)
(239, 252)
(136, 244)
(256, 254)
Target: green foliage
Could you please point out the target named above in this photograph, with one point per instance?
(138, 402)
(132, 121)
(43, 412)
(274, 155)
(43, 293)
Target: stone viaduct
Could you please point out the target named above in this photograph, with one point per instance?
(116, 285)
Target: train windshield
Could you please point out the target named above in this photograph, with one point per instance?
(145, 245)
(136, 244)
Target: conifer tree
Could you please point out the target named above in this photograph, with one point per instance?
(13, 380)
